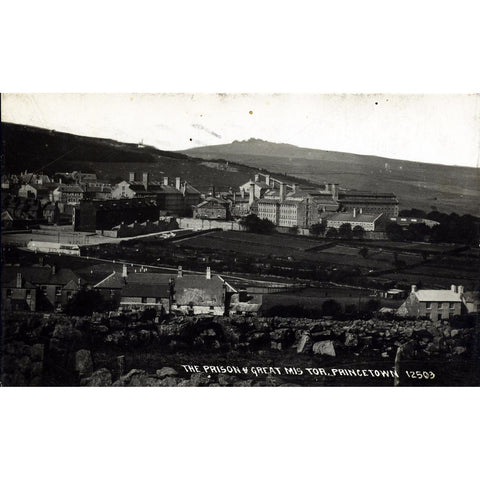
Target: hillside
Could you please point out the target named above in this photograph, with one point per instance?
(417, 185)
(49, 151)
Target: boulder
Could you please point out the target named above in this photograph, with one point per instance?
(324, 347)
(166, 372)
(351, 340)
(83, 363)
(199, 379)
(459, 350)
(99, 378)
(304, 344)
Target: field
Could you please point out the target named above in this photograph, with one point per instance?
(432, 265)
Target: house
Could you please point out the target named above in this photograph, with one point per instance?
(18, 294)
(201, 294)
(71, 194)
(212, 208)
(137, 290)
(7, 220)
(433, 304)
(53, 287)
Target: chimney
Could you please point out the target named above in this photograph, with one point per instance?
(54, 269)
(251, 198)
(213, 191)
(461, 290)
(354, 212)
(294, 188)
(177, 183)
(208, 274)
(335, 191)
(257, 177)
(360, 211)
(19, 280)
(179, 271)
(453, 288)
(282, 192)
(242, 193)
(165, 180)
(131, 176)
(267, 179)
(414, 288)
(145, 179)
(124, 271)
(184, 188)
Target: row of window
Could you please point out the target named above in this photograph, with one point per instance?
(430, 305)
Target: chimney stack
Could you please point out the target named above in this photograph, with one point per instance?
(124, 271)
(453, 288)
(461, 290)
(294, 187)
(54, 269)
(184, 188)
(145, 179)
(19, 280)
(213, 191)
(180, 271)
(267, 179)
(414, 288)
(242, 193)
(257, 177)
(165, 180)
(282, 192)
(334, 191)
(251, 197)
(208, 274)
(354, 212)
(177, 183)
(131, 176)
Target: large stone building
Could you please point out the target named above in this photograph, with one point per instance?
(371, 203)
(368, 222)
(213, 209)
(97, 215)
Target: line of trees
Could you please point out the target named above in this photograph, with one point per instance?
(451, 228)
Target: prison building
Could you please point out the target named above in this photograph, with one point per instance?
(370, 223)
(98, 215)
(371, 203)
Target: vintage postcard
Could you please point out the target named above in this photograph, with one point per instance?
(240, 240)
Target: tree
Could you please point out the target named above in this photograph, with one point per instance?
(394, 232)
(317, 229)
(254, 224)
(345, 230)
(358, 231)
(332, 232)
(85, 302)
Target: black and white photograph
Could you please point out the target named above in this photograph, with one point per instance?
(246, 240)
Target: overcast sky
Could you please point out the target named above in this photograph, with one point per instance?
(428, 128)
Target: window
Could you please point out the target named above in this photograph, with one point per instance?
(44, 289)
(144, 299)
(452, 305)
(9, 293)
(58, 291)
(428, 305)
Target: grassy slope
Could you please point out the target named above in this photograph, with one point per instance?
(418, 185)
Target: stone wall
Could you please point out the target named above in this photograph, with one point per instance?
(134, 350)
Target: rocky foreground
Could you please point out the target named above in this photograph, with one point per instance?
(236, 351)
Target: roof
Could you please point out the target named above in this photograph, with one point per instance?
(115, 280)
(145, 290)
(348, 217)
(70, 188)
(39, 275)
(199, 290)
(211, 200)
(438, 296)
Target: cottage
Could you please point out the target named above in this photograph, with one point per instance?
(433, 304)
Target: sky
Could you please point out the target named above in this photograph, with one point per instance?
(442, 129)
